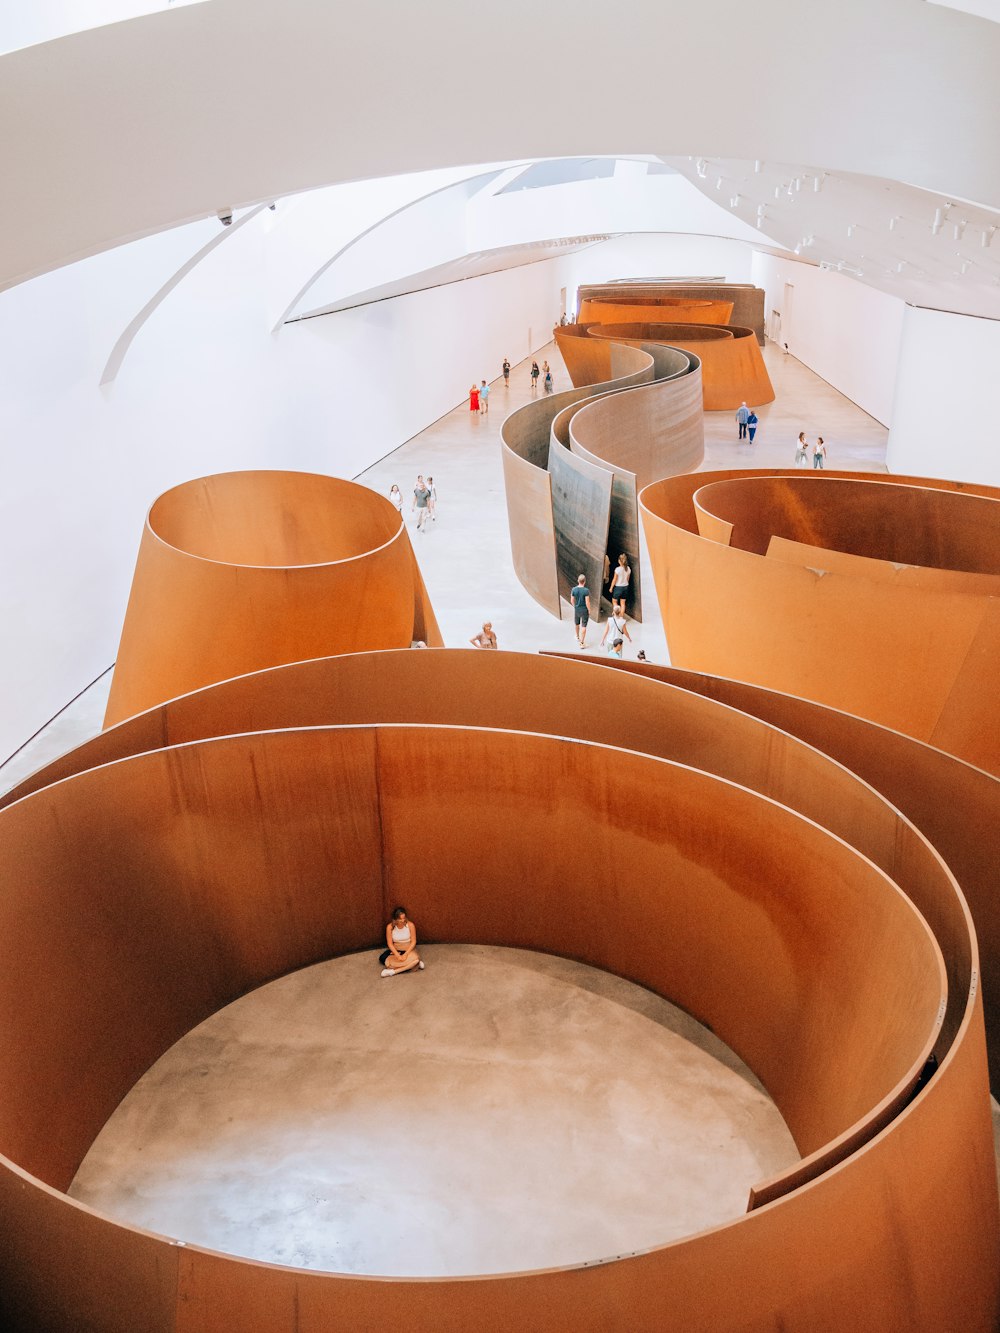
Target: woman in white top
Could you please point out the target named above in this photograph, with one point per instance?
(618, 630)
(801, 450)
(395, 495)
(618, 587)
(401, 937)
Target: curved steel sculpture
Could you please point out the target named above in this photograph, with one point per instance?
(653, 309)
(264, 823)
(245, 570)
(879, 596)
(746, 300)
(733, 369)
(574, 463)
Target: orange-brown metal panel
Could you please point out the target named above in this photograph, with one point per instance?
(532, 529)
(769, 1270)
(246, 570)
(747, 300)
(587, 361)
(955, 806)
(654, 431)
(733, 369)
(669, 309)
(869, 646)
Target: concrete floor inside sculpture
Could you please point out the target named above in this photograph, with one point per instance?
(501, 1110)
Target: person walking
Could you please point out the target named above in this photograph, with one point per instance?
(742, 415)
(534, 376)
(432, 502)
(474, 398)
(396, 496)
(752, 425)
(506, 373)
(485, 638)
(484, 398)
(547, 381)
(618, 630)
(618, 587)
(819, 453)
(580, 597)
(801, 450)
(421, 498)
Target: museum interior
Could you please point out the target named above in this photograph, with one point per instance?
(500, 731)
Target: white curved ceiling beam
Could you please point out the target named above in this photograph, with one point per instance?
(119, 132)
(127, 335)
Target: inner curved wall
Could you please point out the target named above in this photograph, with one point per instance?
(212, 1288)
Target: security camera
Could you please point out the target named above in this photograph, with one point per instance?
(225, 216)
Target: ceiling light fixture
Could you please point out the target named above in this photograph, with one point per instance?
(718, 182)
(893, 221)
(818, 182)
(757, 166)
(850, 228)
(960, 229)
(987, 237)
(701, 166)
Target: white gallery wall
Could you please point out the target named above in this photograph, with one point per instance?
(204, 387)
(944, 420)
(650, 255)
(847, 333)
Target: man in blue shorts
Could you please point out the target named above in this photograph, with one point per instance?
(580, 597)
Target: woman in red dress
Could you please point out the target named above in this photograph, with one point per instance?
(474, 398)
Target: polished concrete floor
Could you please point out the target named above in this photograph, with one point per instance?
(465, 555)
(501, 1110)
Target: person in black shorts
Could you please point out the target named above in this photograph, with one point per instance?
(580, 597)
(506, 373)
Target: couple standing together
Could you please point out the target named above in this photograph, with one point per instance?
(802, 451)
(746, 419)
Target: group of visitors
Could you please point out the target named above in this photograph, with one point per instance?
(546, 376)
(616, 629)
(424, 501)
(803, 449)
(746, 420)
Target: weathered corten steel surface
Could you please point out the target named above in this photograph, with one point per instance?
(246, 570)
(733, 370)
(747, 300)
(955, 806)
(581, 512)
(587, 360)
(138, 896)
(669, 309)
(571, 502)
(870, 645)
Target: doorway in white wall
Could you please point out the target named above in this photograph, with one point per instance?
(785, 315)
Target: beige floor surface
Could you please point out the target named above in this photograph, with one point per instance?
(500, 1111)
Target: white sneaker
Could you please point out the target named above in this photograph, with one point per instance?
(388, 972)
(420, 967)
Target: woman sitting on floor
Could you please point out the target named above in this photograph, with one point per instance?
(401, 937)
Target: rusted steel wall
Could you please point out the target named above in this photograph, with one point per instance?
(250, 569)
(181, 877)
(862, 643)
